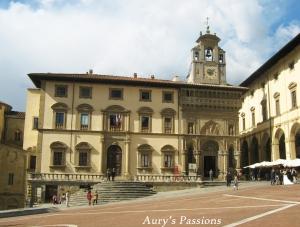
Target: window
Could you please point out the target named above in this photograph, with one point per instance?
(264, 110)
(277, 105)
(190, 128)
(85, 92)
(58, 158)
(10, 178)
(221, 58)
(253, 118)
(196, 57)
(61, 91)
(145, 161)
(145, 95)
(291, 65)
(32, 162)
(84, 121)
(244, 123)
(168, 125)
(230, 130)
(145, 123)
(59, 114)
(145, 156)
(59, 120)
(167, 96)
(168, 160)
(83, 158)
(115, 122)
(294, 98)
(35, 123)
(18, 135)
(58, 151)
(116, 93)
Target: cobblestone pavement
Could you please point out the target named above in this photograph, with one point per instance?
(254, 204)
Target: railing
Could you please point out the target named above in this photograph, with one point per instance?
(59, 125)
(65, 177)
(84, 127)
(167, 178)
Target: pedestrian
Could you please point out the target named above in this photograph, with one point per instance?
(108, 173)
(89, 197)
(113, 174)
(54, 199)
(273, 177)
(95, 200)
(67, 198)
(228, 179)
(235, 183)
(211, 173)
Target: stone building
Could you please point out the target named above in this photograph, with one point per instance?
(12, 158)
(269, 118)
(79, 125)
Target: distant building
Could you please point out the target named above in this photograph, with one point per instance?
(79, 125)
(12, 158)
(269, 119)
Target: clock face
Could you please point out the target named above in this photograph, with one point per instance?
(211, 72)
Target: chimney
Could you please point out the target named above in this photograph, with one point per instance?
(134, 75)
(90, 71)
(152, 77)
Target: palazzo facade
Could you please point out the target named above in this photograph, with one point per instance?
(79, 125)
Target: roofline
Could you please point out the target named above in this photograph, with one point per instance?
(109, 79)
(272, 61)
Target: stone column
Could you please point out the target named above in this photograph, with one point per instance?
(275, 151)
(237, 156)
(101, 151)
(183, 162)
(220, 164)
(33, 194)
(225, 162)
(127, 149)
(292, 147)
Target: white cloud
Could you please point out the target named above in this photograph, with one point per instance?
(122, 37)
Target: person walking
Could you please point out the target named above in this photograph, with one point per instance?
(113, 174)
(228, 179)
(67, 198)
(108, 173)
(95, 200)
(235, 183)
(89, 197)
(211, 174)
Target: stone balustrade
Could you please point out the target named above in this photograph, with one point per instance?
(167, 178)
(65, 177)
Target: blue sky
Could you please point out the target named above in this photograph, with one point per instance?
(120, 37)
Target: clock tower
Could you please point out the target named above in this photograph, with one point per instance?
(208, 61)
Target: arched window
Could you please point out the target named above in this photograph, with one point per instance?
(114, 118)
(58, 153)
(208, 54)
(168, 153)
(168, 115)
(83, 150)
(59, 114)
(145, 114)
(18, 135)
(293, 90)
(145, 156)
(85, 115)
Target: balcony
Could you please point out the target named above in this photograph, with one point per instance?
(59, 126)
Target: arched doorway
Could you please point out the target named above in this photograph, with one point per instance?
(297, 144)
(244, 154)
(114, 159)
(268, 150)
(210, 157)
(231, 160)
(254, 151)
(282, 154)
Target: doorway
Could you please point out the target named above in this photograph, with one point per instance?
(209, 163)
(114, 159)
(51, 190)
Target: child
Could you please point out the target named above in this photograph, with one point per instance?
(235, 183)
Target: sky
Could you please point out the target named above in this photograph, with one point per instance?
(122, 37)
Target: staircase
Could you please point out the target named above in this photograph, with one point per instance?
(113, 191)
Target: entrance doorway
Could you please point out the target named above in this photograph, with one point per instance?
(114, 159)
(209, 163)
(51, 190)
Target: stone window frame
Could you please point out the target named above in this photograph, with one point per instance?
(116, 98)
(293, 91)
(168, 151)
(191, 130)
(59, 108)
(163, 96)
(168, 113)
(81, 96)
(58, 147)
(118, 111)
(18, 135)
(57, 86)
(83, 147)
(253, 120)
(84, 109)
(276, 97)
(144, 149)
(145, 112)
(150, 95)
(35, 123)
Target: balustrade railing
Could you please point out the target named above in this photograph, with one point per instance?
(65, 177)
(167, 178)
